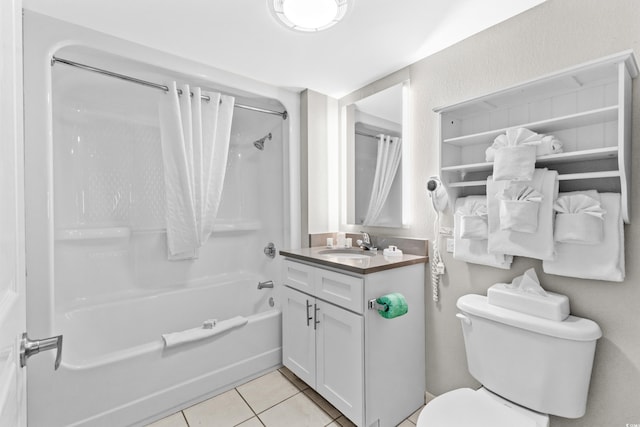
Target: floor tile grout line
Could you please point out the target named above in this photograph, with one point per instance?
(309, 397)
(312, 401)
(251, 408)
(184, 417)
(275, 404)
(324, 410)
(298, 391)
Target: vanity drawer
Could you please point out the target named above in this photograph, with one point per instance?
(298, 276)
(340, 289)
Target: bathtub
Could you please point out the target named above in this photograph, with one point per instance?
(118, 346)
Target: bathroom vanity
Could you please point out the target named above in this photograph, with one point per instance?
(370, 368)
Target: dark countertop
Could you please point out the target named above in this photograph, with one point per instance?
(370, 264)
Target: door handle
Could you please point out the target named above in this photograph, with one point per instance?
(30, 347)
(315, 315)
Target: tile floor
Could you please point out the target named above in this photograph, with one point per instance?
(276, 399)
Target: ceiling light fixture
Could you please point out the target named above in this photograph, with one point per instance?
(309, 15)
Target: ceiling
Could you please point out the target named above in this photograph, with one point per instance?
(376, 37)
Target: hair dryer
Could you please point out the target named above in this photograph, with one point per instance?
(438, 194)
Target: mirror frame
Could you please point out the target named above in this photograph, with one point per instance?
(347, 149)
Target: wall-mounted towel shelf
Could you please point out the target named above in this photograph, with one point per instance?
(587, 107)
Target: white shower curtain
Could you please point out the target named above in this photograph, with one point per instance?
(195, 137)
(387, 162)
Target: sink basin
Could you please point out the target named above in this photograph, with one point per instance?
(347, 253)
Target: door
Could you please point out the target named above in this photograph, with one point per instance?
(340, 359)
(12, 278)
(298, 335)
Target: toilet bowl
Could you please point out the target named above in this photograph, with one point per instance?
(465, 407)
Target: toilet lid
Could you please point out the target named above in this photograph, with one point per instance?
(466, 407)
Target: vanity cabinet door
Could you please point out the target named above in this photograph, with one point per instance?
(298, 335)
(340, 359)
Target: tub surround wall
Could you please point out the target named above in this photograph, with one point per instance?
(109, 201)
(552, 36)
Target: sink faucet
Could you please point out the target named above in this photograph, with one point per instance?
(365, 243)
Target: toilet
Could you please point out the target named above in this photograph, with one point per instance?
(529, 367)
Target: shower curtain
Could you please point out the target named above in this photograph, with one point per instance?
(387, 162)
(195, 137)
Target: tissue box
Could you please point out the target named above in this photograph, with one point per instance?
(553, 306)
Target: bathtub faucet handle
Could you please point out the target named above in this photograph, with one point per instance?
(30, 347)
(270, 250)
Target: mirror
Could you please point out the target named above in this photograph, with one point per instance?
(374, 134)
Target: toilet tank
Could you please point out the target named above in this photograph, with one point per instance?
(541, 364)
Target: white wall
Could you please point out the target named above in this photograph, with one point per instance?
(320, 116)
(555, 35)
(552, 36)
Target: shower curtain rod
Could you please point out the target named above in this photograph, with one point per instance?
(367, 134)
(55, 59)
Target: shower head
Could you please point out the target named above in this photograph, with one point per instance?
(259, 144)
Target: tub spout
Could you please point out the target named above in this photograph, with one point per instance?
(267, 284)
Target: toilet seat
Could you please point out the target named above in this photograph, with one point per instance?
(479, 408)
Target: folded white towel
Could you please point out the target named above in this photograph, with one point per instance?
(579, 219)
(208, 329)
(511, 138)
(515, 137)
(474, 250)
(537, 245)
(473, 219)
(514, 163)
(473, 227)
(519, 205)
(544, 144)
(604, 261)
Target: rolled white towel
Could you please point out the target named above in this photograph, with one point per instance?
(547, 144)
(209, 328)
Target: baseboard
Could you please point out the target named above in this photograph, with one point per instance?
(428, 397)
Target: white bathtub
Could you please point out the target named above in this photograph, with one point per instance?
(117, 348)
